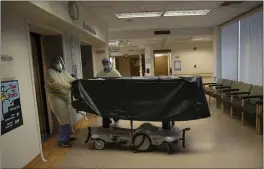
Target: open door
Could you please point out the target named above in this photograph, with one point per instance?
(162, 63)
(161, 66)
(52, 47)
(40, 85)
(87, 61)
(134, 66)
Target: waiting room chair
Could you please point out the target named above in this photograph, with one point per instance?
(235, 99)
(211, 88)
(225, 98)
(251, 106)
(259, 122)
(217, 93)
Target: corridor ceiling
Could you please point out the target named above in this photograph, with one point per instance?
(105, 11)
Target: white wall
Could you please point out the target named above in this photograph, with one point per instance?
(202, 57)
(60, 10)
(73, 57)
(149, 60)
(20, 145)
(180, 32)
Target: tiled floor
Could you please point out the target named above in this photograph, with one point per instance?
(216, 142)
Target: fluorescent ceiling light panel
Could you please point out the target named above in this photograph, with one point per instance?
(199, 39)
(113, 43)
(139, 15)
(187, 12)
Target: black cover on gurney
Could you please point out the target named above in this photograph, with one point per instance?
(142, 98)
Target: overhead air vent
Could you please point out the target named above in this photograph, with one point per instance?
(228, 3)
(114, 50)
(163, 32)
(183, 38)
(100, 51)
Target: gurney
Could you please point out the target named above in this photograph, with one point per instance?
(153, 99)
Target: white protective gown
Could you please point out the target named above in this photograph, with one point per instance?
(112, 73)
(58, 86)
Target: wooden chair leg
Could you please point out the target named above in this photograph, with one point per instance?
(222, 107)
(242, 114)
(242, 119)
(222, 104)
(231, 107)
(258, 125)
(259, 119)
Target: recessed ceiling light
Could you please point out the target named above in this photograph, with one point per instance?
(187, 12)
(113, 43)
(138, 15)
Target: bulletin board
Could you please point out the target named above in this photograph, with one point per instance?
(177, 65)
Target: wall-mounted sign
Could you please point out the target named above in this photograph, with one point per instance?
(6, 58)
(11, 116)
(177, 65)
(87, 27)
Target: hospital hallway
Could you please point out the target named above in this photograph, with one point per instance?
(215, 142)
(67, 64)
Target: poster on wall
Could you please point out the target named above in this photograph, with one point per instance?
(177, 65)
(11, 116)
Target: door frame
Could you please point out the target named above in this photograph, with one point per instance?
(27, 28)
(40, 78)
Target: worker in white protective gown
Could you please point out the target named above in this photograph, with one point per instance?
(108, 71)
(58, 86)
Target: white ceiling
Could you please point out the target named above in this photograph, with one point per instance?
(105, 11)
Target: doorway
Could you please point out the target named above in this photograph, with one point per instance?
(45, 45)
(143, 64)
(87, 61)
(162, 64)
(40, 85)
(134, 66)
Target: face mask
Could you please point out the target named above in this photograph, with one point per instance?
(107, 68)
(58, 67)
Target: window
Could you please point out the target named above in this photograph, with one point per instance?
(229, 51)
(251, 49)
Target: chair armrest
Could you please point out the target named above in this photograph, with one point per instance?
(209, 83)
(239, 93)
(252, 97)
(215, 85)
(223, 87)
(230, 90)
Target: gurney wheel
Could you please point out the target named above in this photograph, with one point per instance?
(141, 142)
(99, 144)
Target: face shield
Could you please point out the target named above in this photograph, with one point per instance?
(58, 64)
